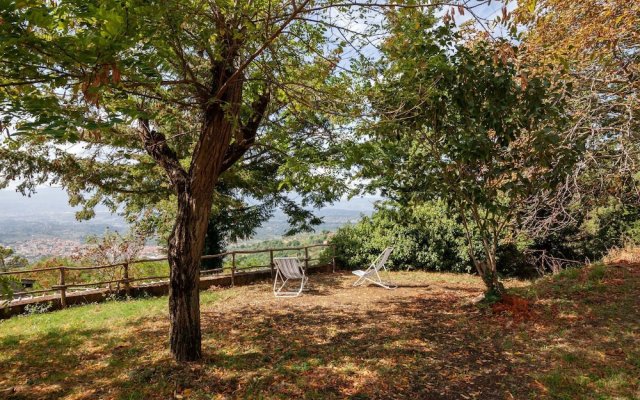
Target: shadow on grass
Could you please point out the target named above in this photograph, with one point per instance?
(587, 333)
(421, 345)
(402, 348)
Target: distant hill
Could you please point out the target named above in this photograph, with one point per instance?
(47, 214)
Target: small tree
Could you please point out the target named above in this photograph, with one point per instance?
(109, 249)
(459, 120)
(10, 260)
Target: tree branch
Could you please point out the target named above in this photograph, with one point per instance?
(249, 132)
(156, 145)
(297, 10)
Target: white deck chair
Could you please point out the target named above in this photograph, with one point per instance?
(288, 268)
(372, 274)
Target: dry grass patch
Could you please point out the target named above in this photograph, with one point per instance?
(422, 340)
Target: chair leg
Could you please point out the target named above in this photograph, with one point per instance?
(278, 291)
(383, 284)
(302, 282)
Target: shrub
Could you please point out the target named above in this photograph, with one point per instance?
(424, 238)
(428, 238)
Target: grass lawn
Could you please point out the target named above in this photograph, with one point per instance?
(578, 338)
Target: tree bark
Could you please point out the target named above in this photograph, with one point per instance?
(487, 269)
(186, 243)
(185, 249)
(490, 270)
(489, 274)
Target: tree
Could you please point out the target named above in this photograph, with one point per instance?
(458, 119)
(594, 45)
(9, 260)
(160, 98)
(109, 249)
(5, 252)
(164, 98)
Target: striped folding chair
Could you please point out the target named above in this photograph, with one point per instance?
(288, 269)
(372, 274)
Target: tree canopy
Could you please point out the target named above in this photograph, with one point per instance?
(69, 115)
(460, 119)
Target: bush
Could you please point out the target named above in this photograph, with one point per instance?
(424, 238)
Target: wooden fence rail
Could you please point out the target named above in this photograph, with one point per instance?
(64, 286)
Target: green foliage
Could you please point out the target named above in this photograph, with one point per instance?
(460, 122)
(115, 65)
(424, 237)
(7, 285)
(8, 261)
(610, 226)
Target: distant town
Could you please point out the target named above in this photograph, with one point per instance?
(39, 248)
(44, 225)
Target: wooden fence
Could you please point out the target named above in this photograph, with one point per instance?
(124, 279)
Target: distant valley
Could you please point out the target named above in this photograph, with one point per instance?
(45, 225)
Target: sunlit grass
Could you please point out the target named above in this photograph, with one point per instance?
(109, 315)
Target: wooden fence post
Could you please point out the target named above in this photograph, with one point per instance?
(271, 262)
(125, 278)
(333, 258)
(233, 268)
(306, 258)
(63, 289)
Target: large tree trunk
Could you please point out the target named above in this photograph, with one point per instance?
(212, 155)
(186, 243)
(185, 249)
